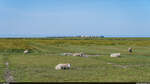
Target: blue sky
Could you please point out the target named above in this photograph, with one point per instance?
(74, 17)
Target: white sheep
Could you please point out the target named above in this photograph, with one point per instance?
(78, 54)
(26, 51)
(130, 50)
(115, 55)
(67, 54)
(62, 66)
(7, 63)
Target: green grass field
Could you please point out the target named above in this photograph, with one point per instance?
(46, 53)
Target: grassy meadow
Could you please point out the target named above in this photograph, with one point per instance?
(46, 53)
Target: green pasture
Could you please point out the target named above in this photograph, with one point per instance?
(46, 53)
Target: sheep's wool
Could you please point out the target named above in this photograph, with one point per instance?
(62, 66)
(115, 55)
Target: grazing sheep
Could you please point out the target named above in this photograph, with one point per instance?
(115, 55)
(67, 54)
(6, 63)
(63, 66)
(78, 54)
(26, 51)
(130, 50)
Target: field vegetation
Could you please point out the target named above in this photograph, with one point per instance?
(45, 53)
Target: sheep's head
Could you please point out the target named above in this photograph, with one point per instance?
(69, 65)
(130, 48)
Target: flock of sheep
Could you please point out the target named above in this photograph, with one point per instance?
(67, 66)
(118, 54)
(75, 54)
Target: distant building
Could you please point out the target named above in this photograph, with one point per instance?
(84, 36)
(90, 36)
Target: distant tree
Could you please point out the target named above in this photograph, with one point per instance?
(102, 36)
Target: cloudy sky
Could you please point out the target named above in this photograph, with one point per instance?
(74, 17)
